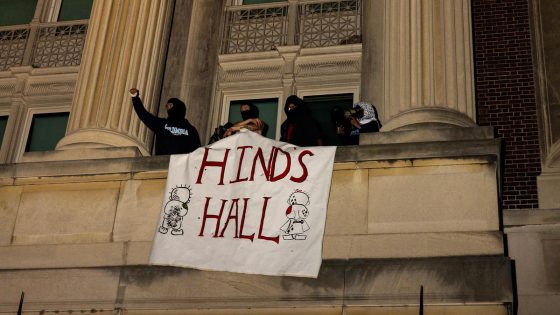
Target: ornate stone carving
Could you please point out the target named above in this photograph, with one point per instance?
(7, 89)
(50, 88)
(255, 29)
(251, 72)
(328, 65)
(59, 45)
(12, 47)
(318, 23)
(329, 23)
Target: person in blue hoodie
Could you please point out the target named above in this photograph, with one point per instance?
(174, 134)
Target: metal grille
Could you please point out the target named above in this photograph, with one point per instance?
(12, 47)
(316, 23)
(255, 28)
(329, 23)
(59, 45)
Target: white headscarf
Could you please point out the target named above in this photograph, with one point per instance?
(369, 113)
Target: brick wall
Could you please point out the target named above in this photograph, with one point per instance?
(505, 93)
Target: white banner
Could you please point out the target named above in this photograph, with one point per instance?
(246, 204)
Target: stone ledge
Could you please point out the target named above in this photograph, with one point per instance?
(486, 149)
(420, 150)
(379, 246)
(428, 135)
(81, 154)
(414, 245)
(458, 309)
(468, 281)
(513, 218)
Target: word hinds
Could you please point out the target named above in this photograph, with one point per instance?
(269, 167)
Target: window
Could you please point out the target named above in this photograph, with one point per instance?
(268, 110)
(46, 130)
(321, 106)
(16, 12)
(75, 10)
(3, 123)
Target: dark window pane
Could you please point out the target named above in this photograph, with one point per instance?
(46, 130)
(16, 12)
(3, 123)
(268, 109)
(321, 106)
(75, 10)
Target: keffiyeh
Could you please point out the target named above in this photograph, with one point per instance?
(370, 114)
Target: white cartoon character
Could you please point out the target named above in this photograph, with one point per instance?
(175, 209)
(297, 213)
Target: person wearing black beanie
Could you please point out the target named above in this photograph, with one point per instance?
(174, 134)
(299, 128)
(251, 121)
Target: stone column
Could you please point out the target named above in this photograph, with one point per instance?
(125, 47)
(427, 74)
(200, 62)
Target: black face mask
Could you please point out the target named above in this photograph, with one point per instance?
(359, 112)
(253, 112)
(246, 115)
(178, 111)
(294, 112)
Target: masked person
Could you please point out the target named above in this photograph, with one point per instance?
(174, 134)
(341, 126)
(251, 121)
(364, 119)
(299, 128)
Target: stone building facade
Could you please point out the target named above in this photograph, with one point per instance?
(456, 194)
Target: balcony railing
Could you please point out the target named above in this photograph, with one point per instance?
(255, 28)
(12, 46)
(42, 45)
(329, 23)
(317, 23)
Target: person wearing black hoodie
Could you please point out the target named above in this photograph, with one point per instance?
(174, 134)
(299, 128)
(251, 121)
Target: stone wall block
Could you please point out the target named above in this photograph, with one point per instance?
(91, 290)
(66, 213)
(138, 210)
(347, 206)
(10, 197)
(433, 199)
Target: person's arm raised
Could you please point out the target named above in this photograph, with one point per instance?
(146, 117)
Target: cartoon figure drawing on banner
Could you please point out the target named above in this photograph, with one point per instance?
(297, 212)
(175, 209)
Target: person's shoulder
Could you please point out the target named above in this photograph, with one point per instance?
(372, 126)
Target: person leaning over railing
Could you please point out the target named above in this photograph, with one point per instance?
(174, 134)
(363, 118)
(251, 121)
